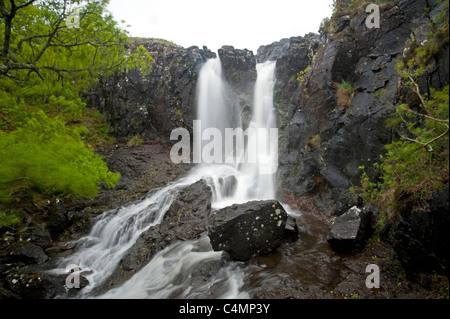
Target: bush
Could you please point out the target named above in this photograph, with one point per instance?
(417, 164)
(46, 156)
(313, 142)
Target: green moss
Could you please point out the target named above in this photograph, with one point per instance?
(179, 113)
(301, 75)
(135, 141)
(9, 219)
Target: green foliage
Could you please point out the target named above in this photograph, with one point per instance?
(341, 8)
(8, 219)
(301, 75)
(416, 58)
(46, 131)
(135, 141)
(46, 156)
(417, 164)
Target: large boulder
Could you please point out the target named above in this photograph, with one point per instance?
(246, 230)
(351, 230)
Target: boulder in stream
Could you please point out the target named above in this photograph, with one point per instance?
(247, 230)
(350, 230)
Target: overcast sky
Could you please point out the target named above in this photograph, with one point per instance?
(244, 24)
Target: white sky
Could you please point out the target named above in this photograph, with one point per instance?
(244, 24)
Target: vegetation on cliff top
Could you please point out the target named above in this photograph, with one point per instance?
(51, 52)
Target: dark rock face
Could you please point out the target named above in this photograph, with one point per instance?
(28, 252)
(186, 219)
(239, 67)
(350, 230)
(249, 229)
(322, 143)
(152, 105)
(421, 237)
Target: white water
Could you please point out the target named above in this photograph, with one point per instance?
(171, 273)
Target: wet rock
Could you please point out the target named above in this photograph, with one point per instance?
(152, 105)
(354, 136)
(60, 247)
(421, 237)
(57, 217)
(291, 230)
(32, 284)
(239, 66)
(350, 230)
(28, 253)
(41, 238)
(246, 230)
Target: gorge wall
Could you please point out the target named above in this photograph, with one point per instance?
(322, 144)
(327, 143)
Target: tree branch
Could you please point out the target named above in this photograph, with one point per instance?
(424, 115)
(428, 144)
(52, 34)
(26, 4)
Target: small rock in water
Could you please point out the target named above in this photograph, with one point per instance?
(350, 230)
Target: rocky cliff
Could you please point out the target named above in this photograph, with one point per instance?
(323, 141)
(327, 142)
(152, 105)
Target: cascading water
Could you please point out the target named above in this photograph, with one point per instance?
(260, 176)
(170, 273)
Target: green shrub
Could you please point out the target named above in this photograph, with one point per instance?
(301, 75)
(417, 164)
(46, 156)
(8, 219)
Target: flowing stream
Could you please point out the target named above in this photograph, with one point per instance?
(174, 272)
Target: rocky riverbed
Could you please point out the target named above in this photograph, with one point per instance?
(301, 269)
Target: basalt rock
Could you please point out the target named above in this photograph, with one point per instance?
(152, 105)
(246, 230)
(239, 67)
(421, 237)
(322, 143)
(351, 230)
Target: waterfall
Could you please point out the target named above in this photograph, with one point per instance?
(169, 273)
(254, 180)
(261, 175)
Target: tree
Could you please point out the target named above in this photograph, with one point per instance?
(45, 66)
